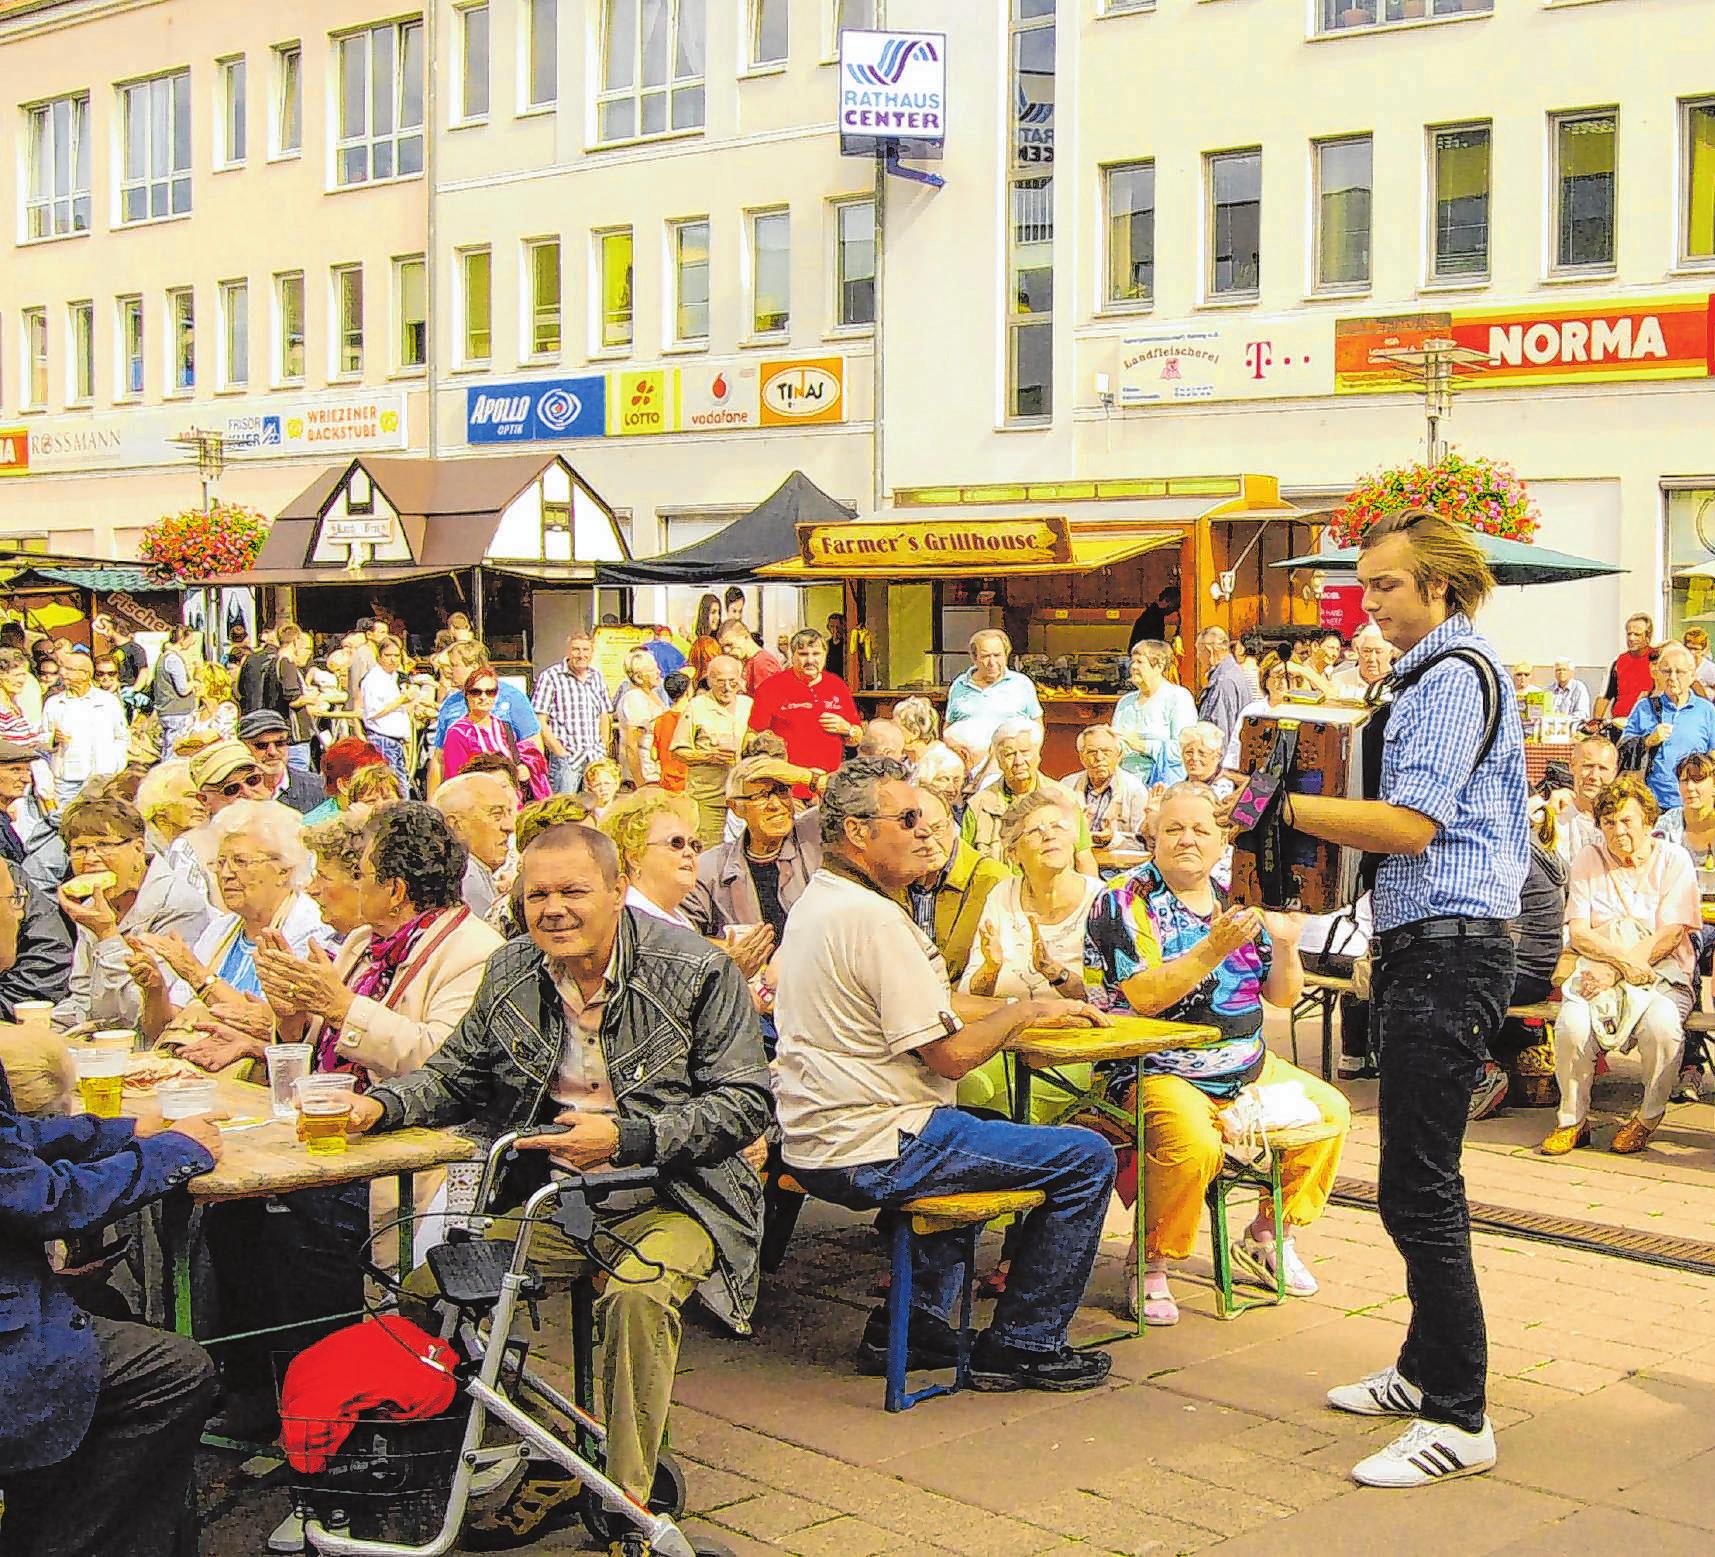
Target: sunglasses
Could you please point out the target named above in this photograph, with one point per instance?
(268, 743)
(678, 843)
(471, 692)
(907, 819)
(235, 787)
(776, 792)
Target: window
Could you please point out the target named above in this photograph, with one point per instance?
(288, 100)
(130, 348)
(411, 307)
(477, 290)
(58, 198)
(1030, 229)
(652, 68)
(473, 53)
(348, 311)
(232, 111)
(181, 340)
(1697, 239)
(1131, 234)
(289, 316)
(1459, 201)
(1344, 15)
(767, 32)
(80, 328)
(690, 281)
(380, 103)
(1584, 167)
(856, 14)
(614, 252)
(542, 270)
(542, 52)
(1235, 223)
(234, 334)
(36, 357)
(1345, 186)
(156, 120)
(770, 273)
(854, 261)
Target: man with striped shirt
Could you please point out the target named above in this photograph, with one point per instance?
(571, 700)
(1450, 826)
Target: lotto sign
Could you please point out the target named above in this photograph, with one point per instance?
(803, 392)
(893, 88)
(14, 451)
(643, 403)
(538, 411)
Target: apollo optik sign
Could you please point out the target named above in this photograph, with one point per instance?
(893, 87)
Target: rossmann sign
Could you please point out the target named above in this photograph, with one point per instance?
(1582, 343)
(893, 87)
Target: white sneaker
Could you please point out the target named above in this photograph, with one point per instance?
(1255, 1259)
(1378, 1394)
(1426, 1452)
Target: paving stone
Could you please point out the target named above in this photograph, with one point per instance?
(1582, 1378)
(772, 1515)
(844, 1537)
(1115, 1527)
(1611, 1529)
(1679, 1495)
(1155, 1490)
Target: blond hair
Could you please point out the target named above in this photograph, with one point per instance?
(627, 822)
(1442, 552)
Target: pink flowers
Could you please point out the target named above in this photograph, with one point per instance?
(197, 545)
(1483, 493)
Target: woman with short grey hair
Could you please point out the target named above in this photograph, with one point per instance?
(635, 711)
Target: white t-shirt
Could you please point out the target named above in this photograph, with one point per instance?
(381, 687)
(1004, 912)
(861, 988)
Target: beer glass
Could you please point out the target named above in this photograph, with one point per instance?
(287, 1064)
(324, 1111)
(100, 1080)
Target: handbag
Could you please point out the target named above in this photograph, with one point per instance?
(1634, 755)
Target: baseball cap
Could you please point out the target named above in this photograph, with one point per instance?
(217, 763)
(263, 721)
(16, 751)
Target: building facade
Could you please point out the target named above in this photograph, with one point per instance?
(1169, 237)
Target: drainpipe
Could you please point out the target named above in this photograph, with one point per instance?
(431, 240)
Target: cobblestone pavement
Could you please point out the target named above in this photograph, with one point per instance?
(1213, 1435)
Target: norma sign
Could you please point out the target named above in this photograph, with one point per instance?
(934, 545)
(14, 451)
(893, 89)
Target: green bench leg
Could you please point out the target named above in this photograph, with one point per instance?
(1228, 1305)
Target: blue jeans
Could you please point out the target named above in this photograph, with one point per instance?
(393, 750)
(298, 756)
(173, 728)
(1054, 1248)
(566, 774)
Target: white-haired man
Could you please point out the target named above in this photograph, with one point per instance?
(1374, 659)
(988, 693)
(482, 810)
(1569, 695)
(1225, 689)
(1017, 752)
(1114, 801)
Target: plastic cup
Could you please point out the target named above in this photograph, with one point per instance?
(33, 1013)
(324, 1111)
(117, 1038)
(186, 1098)
(288, 1063)
(100, 1080)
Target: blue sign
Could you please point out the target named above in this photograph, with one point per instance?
(540, 411)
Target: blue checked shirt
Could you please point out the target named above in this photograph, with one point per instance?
(573, 709)
(1481, 851)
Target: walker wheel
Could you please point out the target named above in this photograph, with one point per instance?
(667, 1497)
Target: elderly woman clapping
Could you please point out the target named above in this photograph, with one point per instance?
(260, 867)
(1166, 944)
(405, 977)
(1631, 908)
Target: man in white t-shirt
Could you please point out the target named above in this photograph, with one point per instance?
(871, 1048)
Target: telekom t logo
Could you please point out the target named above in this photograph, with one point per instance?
(1259, 358)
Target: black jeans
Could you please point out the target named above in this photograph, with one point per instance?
(1439, 1004)
(122, 1490)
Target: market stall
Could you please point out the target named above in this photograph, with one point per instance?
(1065, 569)
(66, 596)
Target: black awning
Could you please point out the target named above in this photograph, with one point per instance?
(768, 533)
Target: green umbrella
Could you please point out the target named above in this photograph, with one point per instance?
(1512, 562)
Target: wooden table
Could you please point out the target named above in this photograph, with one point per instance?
(1041, 1051)
(1120, 859)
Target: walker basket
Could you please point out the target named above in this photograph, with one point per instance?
(389, 1480)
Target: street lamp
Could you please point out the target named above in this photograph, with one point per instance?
(1434, 366)
(209, 451)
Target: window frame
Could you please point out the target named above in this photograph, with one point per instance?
(401, 322)
(463, 16)
(677, 228)
(33, 340)
(465, 258)
(1435, 276)
(171, 386)
(31, 204)
(80, 353)
(841, 206)
(1212, 293)
(284, 281)
(129, 385)
(1453, 10)
(233, 290)
(339, 337)
(1319, 286)
(1557, 234)
(530, 315)
(530, 15)
(671, 88)
(753, 259)
(1684, 189)
(124, 185)
(1111, 303)
(229, 70)
(400, 135)
(286, 70)
(756, 14)
(599, 239)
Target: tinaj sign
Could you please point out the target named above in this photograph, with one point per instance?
(893, 88)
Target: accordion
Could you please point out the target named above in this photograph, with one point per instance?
(1314, 750)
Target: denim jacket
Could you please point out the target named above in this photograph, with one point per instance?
(684, 1056)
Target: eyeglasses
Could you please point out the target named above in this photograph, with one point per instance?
(471, 692)
(236, 787)
(95, 845)
(1041, 833)
(245, 863)
(678, 843)
(907, 819)
(777, 793)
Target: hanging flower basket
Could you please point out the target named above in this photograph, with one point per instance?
(195, 544)
(1482, 493)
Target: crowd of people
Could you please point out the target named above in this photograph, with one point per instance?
(713, 920)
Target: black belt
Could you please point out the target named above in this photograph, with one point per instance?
(1450, 927)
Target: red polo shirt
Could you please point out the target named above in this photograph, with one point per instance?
(789, 706)
(758, 668)
(1628, 680)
